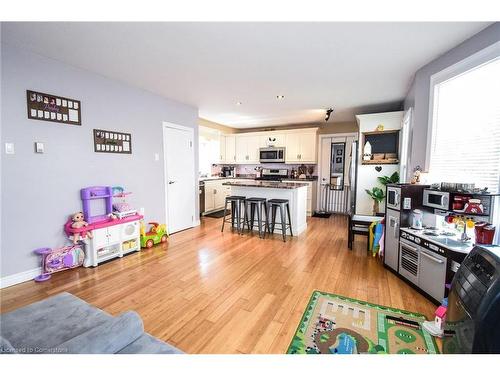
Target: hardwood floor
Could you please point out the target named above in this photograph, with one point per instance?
(212, 292)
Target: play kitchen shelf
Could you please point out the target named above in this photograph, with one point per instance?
(471, 204)
(460, 202)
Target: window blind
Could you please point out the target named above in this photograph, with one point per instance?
(466, 128)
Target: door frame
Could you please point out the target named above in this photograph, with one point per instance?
(319, 165)
(168, 125)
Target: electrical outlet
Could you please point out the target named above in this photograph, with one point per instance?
(141, 211)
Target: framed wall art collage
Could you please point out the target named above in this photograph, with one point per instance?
(54, 108)
(66, 111)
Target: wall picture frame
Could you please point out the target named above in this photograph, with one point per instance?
(53, 108)
(112, 142)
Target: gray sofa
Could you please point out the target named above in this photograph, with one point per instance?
(66, 324)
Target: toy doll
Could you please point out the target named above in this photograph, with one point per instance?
(78, 223)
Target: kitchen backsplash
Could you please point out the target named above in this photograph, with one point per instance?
(250, 168)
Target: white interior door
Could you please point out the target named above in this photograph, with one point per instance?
(179, 176)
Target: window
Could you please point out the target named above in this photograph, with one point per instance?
(465, 143)
(209, 150)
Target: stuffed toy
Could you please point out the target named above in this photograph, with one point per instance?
(78, 223)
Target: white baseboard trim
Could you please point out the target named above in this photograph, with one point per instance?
(20, 277)
(197, 223)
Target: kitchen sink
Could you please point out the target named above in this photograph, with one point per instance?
(451, 242)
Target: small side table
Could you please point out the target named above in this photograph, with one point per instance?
(360, 224)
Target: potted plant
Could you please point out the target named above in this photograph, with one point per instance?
(392, 179)
(378, 195)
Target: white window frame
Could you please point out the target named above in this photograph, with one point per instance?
(473, 61)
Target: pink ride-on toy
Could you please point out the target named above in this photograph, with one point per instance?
(60, 259)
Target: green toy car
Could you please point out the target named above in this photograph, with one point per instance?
(157, 234)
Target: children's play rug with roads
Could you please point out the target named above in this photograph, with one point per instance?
(333, 324)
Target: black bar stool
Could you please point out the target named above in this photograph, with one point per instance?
(236, 202)
(282, 204)
(259, 205)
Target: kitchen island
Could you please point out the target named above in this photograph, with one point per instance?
(296, 193)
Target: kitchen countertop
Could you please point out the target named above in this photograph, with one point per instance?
(452, 243)
(212, 178)
(266, 184)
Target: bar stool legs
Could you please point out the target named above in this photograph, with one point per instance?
(264, 210)
(289, 218)
(259, 206)
(282, 205)
(236, 202)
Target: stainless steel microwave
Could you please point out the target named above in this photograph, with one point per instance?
(436, 199)
(272, 155)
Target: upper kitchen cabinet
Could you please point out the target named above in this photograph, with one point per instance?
(230, 157)
(273, 139)
(301, 147)
(247, 149)
(244, 148)
(222, 148)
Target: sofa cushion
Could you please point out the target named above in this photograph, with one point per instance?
(6, 347)
(46, 324)
(147, 344)
(106, 338)
(43, 327)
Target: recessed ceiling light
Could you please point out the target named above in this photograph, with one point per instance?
(280, 97)
(238, 103)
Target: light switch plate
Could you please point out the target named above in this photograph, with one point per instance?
(9, 148)
(407, 203)
(157, 157)
(39, 147)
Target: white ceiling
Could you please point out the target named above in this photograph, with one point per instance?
(353, 67)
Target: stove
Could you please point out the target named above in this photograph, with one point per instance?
(438, 242)
(273, 174)
(423, 242)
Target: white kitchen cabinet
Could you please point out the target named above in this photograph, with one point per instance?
(247, 149)
(230, 149)
(308, 142)
(241, 150)
(301, 147)
(292, 148)
(222, 148)
(215, 194)
(209, 197)
(253, 149)
(219, 196)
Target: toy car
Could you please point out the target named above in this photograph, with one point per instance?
(157, 233)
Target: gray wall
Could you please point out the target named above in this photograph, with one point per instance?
(418, 95)
(39, 191)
